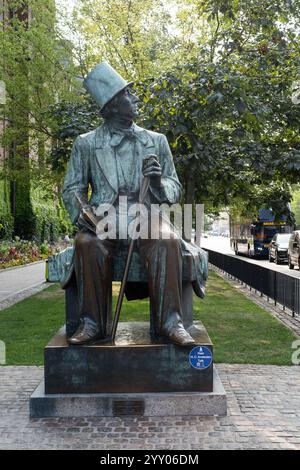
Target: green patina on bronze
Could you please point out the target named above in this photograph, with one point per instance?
(111, 160)
(103, 83)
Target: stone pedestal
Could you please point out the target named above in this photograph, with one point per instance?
(134, 364)
(129, 404)
(135, 376)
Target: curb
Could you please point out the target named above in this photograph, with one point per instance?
(23, 294)
(2, 270)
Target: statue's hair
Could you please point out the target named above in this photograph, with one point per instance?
(109, 110)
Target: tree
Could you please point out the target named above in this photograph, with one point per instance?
(137, 38)
(229, 115)
(227, 111)
(296, 204)
(217, 82)
(37, 70)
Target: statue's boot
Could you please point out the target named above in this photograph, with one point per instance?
(178, 335)
(86, 333)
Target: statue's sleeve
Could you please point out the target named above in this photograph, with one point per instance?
(76, 179)
(170, 190)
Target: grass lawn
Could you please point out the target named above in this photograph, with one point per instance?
(241, 331)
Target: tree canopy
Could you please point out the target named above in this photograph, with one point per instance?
(228, 112)
(37, 69)
(215, 76)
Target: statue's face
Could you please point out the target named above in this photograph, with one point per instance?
(126, 104)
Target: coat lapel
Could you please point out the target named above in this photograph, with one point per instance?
(145, 138)
(106, 158)
(105, 152)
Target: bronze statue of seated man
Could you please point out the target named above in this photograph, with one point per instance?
(109, 160)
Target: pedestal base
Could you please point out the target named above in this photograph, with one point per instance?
(130, 404)
(134, 364)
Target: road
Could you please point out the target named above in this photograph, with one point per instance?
(14, 281)
(222, 245)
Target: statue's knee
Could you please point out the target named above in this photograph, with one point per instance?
(169, 243)
(85, 240)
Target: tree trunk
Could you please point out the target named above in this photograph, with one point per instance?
(19, 154)
(189, 186)
(189, 198)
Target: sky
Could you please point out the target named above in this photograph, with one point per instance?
(66, 4)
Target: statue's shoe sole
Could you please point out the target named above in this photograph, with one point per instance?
(86, 341)
(173, 340)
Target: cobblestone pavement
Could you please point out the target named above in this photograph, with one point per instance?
(263, 413)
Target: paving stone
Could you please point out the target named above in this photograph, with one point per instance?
(263, 413)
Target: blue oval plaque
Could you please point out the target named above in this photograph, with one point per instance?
(200, 357)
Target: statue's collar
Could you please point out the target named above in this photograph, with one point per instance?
(113, 137)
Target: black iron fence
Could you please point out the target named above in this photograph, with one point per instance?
(282, 288)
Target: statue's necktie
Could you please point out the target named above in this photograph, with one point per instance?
(119, 134)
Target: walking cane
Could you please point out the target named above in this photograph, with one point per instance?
(142, 196)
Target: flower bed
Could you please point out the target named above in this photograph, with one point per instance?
(18, 252)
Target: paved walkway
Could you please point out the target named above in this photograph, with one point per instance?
(18, 283)
(263, 413)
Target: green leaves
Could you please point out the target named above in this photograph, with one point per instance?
(215, 77)
(215, 98)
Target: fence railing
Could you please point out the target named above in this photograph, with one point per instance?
(280, 287)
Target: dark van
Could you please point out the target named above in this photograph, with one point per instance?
(294, 250)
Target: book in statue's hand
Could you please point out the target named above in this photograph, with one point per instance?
(83, 223)
(86, 217)
(89, 216)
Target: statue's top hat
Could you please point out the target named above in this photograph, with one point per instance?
(103, 83)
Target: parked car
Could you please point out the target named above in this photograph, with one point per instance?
(294, 250)
(278, 250)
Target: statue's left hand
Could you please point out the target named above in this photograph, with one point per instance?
(87, 218)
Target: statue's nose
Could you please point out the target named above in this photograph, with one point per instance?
(135, 99)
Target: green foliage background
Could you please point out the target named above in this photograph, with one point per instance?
(6, 221)
(215, 76)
